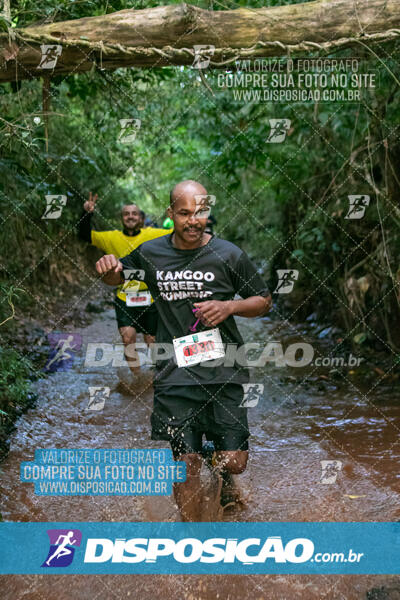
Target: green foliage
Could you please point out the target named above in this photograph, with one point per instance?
(15, 394)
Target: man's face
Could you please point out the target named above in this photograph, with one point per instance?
(189, 217)
(131, 217)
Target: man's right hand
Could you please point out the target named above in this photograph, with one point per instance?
(110, 267)
(90, 204)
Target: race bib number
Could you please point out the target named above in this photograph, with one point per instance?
(198, 347)
(138, 298)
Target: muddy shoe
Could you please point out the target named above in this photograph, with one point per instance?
(230, 492)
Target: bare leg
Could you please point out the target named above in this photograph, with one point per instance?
(128, 335)
(230, 463)
(188, 494)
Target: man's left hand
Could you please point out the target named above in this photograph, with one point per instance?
(213, 312)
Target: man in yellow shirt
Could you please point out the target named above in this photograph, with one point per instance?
(133, 303)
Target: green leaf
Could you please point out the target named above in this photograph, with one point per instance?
(298, 253)
(359, 338)
(5, 24)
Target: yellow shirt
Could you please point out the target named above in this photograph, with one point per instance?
(117, 243)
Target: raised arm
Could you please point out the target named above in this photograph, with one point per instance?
(110, 268)
(84, 225)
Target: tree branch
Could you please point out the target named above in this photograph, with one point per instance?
(165, 35)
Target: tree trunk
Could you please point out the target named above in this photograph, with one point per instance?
(165, 35)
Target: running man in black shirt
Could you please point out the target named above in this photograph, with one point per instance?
(193, 278)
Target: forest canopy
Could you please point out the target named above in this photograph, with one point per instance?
(284, 203)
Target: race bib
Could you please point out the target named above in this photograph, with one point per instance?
(138, 298)
(198, 347)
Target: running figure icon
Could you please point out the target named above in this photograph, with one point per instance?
(65, 346)
(62, 550)
(287, 279)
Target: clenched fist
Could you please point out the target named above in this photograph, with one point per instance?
(110, 267)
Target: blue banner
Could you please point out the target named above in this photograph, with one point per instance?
(200, 548)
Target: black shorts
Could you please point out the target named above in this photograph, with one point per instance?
(142, 318)
(182, 414)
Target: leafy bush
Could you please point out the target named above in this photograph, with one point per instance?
(15, 391)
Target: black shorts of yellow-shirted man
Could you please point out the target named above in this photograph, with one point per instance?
(143, 319)
(183, 414)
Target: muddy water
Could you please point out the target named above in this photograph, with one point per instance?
(303, 418)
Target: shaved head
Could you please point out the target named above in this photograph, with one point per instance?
(187, 203)
(184, 189)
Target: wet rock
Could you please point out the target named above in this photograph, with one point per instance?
(312, 317)
(265, 319)
(335, 374)
(325, 332)
(384, 593)
(37, 333)
(94, 308)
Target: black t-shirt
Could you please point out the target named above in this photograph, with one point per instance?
(176, 279)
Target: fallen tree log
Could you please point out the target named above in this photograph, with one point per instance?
(166, 35)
